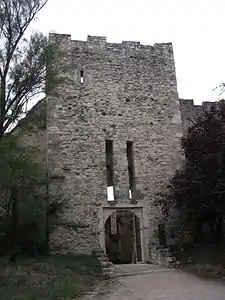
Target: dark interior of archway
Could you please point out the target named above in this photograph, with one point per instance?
(122, 238)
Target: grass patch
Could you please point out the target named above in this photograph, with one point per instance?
(59, 277)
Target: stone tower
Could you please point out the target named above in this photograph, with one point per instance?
(113, 125)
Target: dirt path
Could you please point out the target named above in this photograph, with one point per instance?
(174, 285)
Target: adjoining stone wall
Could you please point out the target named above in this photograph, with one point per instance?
(32, 130)
(162, 257)
(129, 93)
(189, 111)
(32, 133)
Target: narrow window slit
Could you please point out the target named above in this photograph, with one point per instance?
(131, 170)
(81, 76)
(109, 170)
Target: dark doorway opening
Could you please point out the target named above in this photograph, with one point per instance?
(122, 237)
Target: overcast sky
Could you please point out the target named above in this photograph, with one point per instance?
(195, 27)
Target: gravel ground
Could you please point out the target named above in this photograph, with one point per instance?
(174, 285)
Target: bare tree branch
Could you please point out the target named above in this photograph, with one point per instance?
(22, 61)
(221, 87)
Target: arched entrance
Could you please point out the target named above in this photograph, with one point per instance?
(122, 237)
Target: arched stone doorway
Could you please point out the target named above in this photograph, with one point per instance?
(123, 238)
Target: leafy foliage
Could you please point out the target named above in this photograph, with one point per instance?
(26, 209)
(198, 190)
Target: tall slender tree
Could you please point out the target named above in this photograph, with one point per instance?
(22, 59)
(23, 62)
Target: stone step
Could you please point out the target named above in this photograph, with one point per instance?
(103, 258)
(106, 265)
(137, 269)
(99, 252)
(107, 272)
(106, 269)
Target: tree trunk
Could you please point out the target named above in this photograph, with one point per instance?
(217, 229)
(14, 225)
(47, 234)
(2, 106)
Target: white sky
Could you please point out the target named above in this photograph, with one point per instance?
(195, 27)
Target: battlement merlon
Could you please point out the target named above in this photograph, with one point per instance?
(101, 41)
(190, 110)
(96, 39)
(189, 104)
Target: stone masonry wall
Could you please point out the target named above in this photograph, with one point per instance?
(189, 111)
(32, 130)
(129, 93)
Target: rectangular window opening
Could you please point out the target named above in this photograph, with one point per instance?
(131, 170)
(109, 170)
(81, 76)
(130, 194)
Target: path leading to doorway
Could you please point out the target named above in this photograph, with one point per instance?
(137, 269)
(161, 285)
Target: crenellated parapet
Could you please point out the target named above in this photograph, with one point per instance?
(189, 111)
(100, 42)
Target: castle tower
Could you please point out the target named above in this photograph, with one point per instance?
(113, 130)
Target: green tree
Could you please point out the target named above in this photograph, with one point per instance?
(198, 190)
(23, 205)
(23, 59)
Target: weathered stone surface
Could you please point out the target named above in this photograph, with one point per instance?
(189, 111)
(32, 130)
(129, 93)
